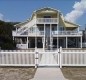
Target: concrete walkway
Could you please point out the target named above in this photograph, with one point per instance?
(48, 74)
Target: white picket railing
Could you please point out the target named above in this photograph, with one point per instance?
(17, 59)
(72, 57)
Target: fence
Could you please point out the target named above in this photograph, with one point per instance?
(17, 58)
(72, 57)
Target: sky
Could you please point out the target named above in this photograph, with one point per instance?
(21, 10)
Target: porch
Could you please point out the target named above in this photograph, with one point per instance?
(48, 43)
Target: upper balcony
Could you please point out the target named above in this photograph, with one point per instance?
(47, 20)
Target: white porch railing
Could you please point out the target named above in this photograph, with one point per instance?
(53, 33)
(37, 33)
(58, 33)
(47, 20)
(66, 33)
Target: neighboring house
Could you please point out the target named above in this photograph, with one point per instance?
(84, 38)
(47, 29)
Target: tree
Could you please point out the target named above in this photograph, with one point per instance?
(6, 39)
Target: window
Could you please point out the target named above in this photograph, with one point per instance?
(61, 28)
(41, 28)
(54, 28)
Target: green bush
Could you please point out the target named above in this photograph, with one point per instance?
(6, 39)
(7, 46)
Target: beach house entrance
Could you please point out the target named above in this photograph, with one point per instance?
(47, 59)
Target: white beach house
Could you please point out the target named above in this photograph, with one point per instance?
(47, 29)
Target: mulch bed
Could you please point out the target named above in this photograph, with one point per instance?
(74, 73)
(16, 73)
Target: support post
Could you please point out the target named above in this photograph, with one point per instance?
(35, 34)
(50, 38)
(66, 42)
(57, 29)
(36, 59)
(35, 43)
(44, 39)
(81, 41)
(60, 56)
(43, 43)
(57, 42)
(57, 37)
(27, 42)
(21, 40)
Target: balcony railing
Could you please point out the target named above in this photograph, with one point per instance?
(61, 33)
(67, 32)
(53, 33)
(47, 20)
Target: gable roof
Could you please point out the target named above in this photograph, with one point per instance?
(48, 9)
(70, 24)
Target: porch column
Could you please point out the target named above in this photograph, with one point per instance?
(57, 29)
(35, 33)
(35, 43)
(21, 40)
(81, 41)
(44, 39)
(27, 42)
(35, 39)
(57, 36)
(50, 37)
(66, 41)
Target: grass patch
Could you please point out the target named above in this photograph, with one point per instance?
(74, 73)
(16, 73)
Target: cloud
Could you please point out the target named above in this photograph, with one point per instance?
(79, 9)
(3, 18)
